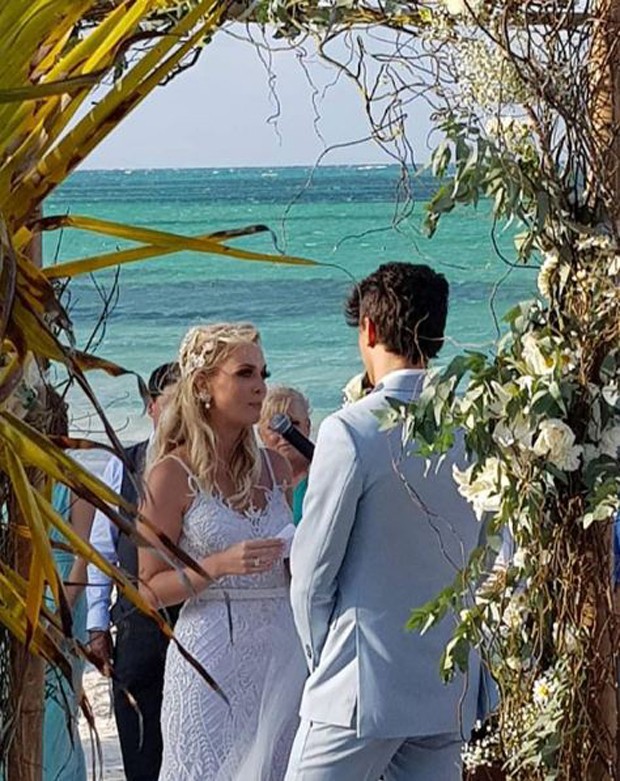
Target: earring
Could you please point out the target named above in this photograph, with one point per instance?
(205, 397)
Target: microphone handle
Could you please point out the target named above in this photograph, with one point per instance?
(299, 442)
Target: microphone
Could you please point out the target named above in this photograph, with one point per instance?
(281, 424)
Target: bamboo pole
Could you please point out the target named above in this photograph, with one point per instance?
(27, 671)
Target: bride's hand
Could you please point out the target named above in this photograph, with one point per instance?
(249, 557)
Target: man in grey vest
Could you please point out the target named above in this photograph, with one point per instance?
(138, 654)
(381, 533)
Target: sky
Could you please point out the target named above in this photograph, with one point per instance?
(217, 113)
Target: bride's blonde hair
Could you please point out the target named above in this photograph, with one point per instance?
(185, 419)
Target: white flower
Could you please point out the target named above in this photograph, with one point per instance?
(550, 263)
(354, 390)
(513, 615)
(535, 361)
(525, 382)
(518, 560)
(594, 243)
(556, 442)
(610, 441)
(542, 691)
(455, 7)
(483, 490)
(516, 431)
(461, 7)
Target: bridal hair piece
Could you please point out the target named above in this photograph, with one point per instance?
(202, 341)
(186, 421)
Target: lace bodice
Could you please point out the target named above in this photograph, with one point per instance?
(211, 525)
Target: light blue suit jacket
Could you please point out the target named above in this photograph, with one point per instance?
(367, 551)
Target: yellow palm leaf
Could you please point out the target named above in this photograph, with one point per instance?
(34, 449)
(90, 554)
(49, 89)
(137, 83)
(160, 242)
(42, 551)
(124, 585)
(12, 616)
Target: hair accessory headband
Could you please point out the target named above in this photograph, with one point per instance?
(192, 354)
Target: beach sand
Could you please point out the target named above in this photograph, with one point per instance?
(98, 691)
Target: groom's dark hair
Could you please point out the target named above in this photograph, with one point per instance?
(408, 305)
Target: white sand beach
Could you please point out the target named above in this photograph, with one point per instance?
(98, 691)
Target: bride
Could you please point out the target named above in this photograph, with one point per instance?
(211, 490)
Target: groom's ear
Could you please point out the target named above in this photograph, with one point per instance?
(371, 332)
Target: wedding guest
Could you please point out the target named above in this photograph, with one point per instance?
(63, 755)
(293, 403)
(222, 499)
(139, 651)
(383, 532)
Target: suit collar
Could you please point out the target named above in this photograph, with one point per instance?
(401, 381)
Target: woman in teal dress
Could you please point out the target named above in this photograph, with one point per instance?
(63, 756)
(293, 403)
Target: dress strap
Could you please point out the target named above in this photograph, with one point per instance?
(272, 474)
(192, 482)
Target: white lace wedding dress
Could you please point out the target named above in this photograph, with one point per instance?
(241, 630)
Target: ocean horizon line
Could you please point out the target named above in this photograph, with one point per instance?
(299, 166)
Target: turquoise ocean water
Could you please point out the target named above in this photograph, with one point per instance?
(340, 215)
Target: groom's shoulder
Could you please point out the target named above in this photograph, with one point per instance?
(359, 419)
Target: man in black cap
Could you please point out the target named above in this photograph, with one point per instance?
(139, 651)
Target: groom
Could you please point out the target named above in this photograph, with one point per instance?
(381, 535)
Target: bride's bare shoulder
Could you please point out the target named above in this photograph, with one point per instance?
(171, 467)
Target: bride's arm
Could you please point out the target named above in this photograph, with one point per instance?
(166, 500)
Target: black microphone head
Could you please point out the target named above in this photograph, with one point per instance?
(280, 423)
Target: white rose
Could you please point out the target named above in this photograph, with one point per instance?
(482, 491)
(535, 361)
(610, 441)
(556, 442)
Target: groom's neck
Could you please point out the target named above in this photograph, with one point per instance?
(383, 362)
